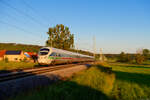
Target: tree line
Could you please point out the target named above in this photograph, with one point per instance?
(22, 47)
(140, 57)
(33, 48)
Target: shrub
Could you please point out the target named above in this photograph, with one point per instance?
(129, 58)
(6, 59)
(146, 53)
(139, 59)
(125, 57)
(122, 57)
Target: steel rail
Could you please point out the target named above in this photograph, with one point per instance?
(31, 72)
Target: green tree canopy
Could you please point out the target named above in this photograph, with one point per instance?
(122, 57)
(146, 53)
(60, 37)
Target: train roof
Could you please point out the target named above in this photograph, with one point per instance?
(67, 52)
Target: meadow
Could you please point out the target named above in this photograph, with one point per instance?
(132, 81)
(6, 66)
(104, 81)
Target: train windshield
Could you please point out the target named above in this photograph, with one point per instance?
(44, 51)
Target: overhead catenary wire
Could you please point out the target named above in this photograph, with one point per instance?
(22, 13)
(18, 28)
(30, 34)
(33, 10)
(12, 17)
(22, 29)
(28, 5)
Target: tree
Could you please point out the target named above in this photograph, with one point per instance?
(125, 57)
(6, 60)
(129, 58)
(139, 58)
(122, 57)
(60, 37)
(146, 53)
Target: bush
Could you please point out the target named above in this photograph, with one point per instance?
(6, 60)
(122, 57)
(129, 58)
(125, 57)
(139, 59)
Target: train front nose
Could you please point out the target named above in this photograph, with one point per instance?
(43, 60)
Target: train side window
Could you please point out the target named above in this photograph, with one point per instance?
(72, 56)
(53, 54)
(56, 54)
(59, 55)
(62, 55)
(68, 55)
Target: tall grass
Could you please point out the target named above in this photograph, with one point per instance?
(96, 79)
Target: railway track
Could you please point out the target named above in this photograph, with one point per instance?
(30, 72)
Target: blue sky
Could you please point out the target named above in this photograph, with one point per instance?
(118, 25)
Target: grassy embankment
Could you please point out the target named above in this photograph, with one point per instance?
(15, 65)
(127, 82)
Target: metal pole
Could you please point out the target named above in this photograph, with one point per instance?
(101, 55)
(94, 46)
(51, 40)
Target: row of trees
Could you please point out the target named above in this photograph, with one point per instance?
(23, 47)
(139, 57)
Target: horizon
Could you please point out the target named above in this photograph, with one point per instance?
(117, 25)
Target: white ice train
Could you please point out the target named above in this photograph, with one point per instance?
(52, 56)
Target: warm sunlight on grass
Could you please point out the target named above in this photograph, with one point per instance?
(132, 81)
(102, 81)
(92, 84)
(15, 65)
(96, 79)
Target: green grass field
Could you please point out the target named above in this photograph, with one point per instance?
(132, 81)
(15, 65)
(126, 82)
